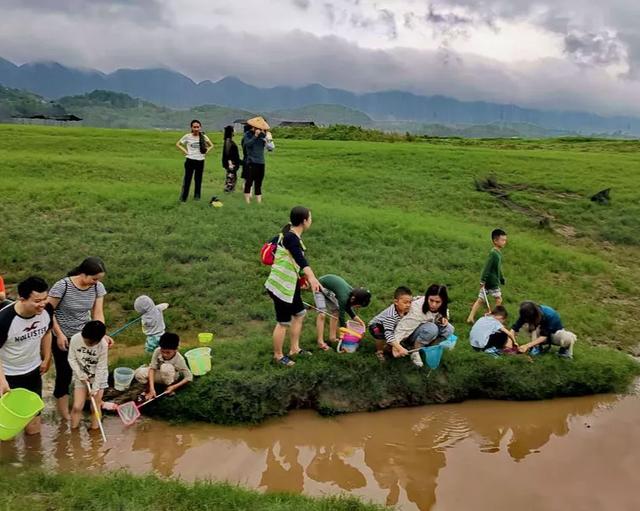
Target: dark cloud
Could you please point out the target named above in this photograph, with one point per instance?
(388, 20)
(302, 4)
(145, 11)
(594, 49)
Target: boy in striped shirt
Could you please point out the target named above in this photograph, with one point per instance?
(382, 326)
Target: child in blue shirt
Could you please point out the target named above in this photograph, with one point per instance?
(545, 327)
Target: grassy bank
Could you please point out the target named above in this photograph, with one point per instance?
(384, 215)
(38, 491)
(244, 386)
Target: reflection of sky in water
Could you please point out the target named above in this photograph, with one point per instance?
(397, 457)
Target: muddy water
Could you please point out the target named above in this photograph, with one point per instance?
(578, 454)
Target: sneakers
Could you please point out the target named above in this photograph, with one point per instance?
(535, 351)
(417, 361)
(566, 352)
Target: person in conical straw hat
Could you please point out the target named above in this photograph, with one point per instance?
(256, 139)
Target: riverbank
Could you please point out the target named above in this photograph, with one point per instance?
(40, 491)
(244, 386)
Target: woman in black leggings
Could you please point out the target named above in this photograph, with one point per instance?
(254, 142)
(195, 146)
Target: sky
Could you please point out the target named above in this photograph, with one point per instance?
(556, 54)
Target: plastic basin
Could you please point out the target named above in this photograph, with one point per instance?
(356, 327)
(199, 360)
(122, 378)
(17, 408)
(205, 338)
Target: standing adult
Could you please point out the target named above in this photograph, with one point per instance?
(195, 146)
(77, 299)
(230, 160)
(283, 285)
(25, 341)
(254, 142)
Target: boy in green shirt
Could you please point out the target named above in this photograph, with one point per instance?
(492, 276)
(336, 296)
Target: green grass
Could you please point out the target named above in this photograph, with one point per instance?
(385, 214)
(38, 491)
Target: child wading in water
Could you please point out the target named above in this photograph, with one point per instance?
(88, 358)
(426, 322)
(167, 367)
(336, 296)
(489, 332)
(492, 276)
(383, 325)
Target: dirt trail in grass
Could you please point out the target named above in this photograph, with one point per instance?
(561, 454)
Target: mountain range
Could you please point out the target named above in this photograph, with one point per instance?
(172, 89)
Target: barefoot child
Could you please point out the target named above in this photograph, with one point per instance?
(88, 358)
(152, 320)
(492, 276)
(545, 326)
(489, 332)
(167, 367)
(426, 322)
(336, 296)
(382, 326)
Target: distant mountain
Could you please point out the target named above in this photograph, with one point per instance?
(324, 114)
(15, 102)
(169, 88)
(118, 110)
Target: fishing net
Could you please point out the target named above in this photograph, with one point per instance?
(128, 413)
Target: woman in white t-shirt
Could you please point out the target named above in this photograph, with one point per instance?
(195, 146)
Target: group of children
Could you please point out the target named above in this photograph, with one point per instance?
(88, 358)
(410, 323)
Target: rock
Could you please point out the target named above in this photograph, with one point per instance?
(602, 197)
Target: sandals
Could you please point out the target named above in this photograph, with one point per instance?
(284, 361)
(380, 356)
(324, 346)
(302, 352)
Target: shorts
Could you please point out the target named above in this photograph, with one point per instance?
(31, 381)
(326, 301)
(495, 292)
(377, 331)
(286, 311)
(152, 342)
(77, 383)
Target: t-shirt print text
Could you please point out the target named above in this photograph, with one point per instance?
(32, 331)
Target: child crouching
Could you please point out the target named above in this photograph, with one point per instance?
(489, 332)
(383, 325)
(88, 358)
(167, 367)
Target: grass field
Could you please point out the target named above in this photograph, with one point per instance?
(122, 492)
(385, 214)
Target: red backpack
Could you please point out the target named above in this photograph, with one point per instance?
(268, 251)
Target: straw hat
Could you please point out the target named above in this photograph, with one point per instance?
(259, 122)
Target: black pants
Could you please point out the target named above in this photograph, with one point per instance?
(192, 169)
(63, 370)
(254, 176)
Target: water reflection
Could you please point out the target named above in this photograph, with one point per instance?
(394, 457)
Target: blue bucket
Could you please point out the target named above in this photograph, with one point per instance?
(432, 355)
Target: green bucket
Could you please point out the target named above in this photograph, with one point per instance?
(17, 408)
(205, 337)
(199, 360)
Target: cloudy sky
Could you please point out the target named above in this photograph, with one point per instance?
(569, 54)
